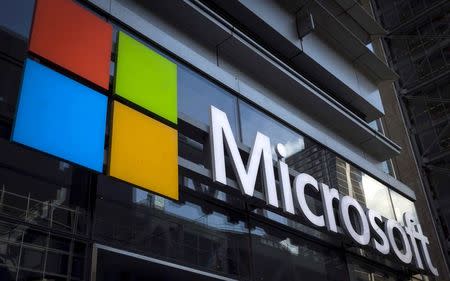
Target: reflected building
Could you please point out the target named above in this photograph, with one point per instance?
(328, 168)
(316, 161)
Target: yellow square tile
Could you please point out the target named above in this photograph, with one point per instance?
(144, 152)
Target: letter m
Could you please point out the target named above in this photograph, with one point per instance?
(220, 131)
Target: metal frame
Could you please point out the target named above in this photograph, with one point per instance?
(407, 95)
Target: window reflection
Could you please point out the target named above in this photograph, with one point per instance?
(299, 224)
(402, 205)
(388, 167)
(15, 16)
(233, 200)
(377, 196)
(315, 160)
(303, 154)
(11, 75)
(140, 196)
(368, 191)
(196, 94)
(349, 180)
(26, 253)
(190, 231)
(277, 133)
(15, 23)
(363, 272)
(294, 257)
(112, 266)
(42, 190)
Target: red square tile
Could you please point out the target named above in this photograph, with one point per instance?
(73, 38)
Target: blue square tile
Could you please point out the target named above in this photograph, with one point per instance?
(61, 117)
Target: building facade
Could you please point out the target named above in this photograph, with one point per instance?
(202, 140)
(419, 50)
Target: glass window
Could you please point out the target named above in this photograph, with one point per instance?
(140, 196)
(280, 256)
(196, 94)
(366, 190)
(16, 16)
(303, 154)
(401, 205)
(9, 251)
(11, 75)
(377, 196)
(7, 273)
(298, 223)
(38, 253)
(253, 121)
(363, 272)
(388, 167)
(42, 190)
(189, 231)
(112, 266)
(15, 23)
(234, 200)
(349, 180)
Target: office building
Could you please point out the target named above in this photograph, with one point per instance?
(201, 140)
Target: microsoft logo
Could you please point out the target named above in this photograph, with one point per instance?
(144, 151)
(67, 119)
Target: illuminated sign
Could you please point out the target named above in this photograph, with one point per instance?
(293, 200)
(67, 119)
(72, 37)
(61, 117)
(144, 151)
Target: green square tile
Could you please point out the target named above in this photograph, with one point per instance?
(146, 78)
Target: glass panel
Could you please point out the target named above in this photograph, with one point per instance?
(42, 190)
(190, 231)
(11, 75)
(15, 23)
(37, 250)
(59, 243)
(388, 167)
(9, 260)
(7, 274)
(300, 223)
(32, 259)
(303, 154)
(368, 191)
(402, 205)
(280, 256)
(277, 133)
(56, 263)
(233, 200)
(113, 266)
(35, 238)
(377, 196)
(363, 272)
(15, 16)
(349, 180)
(196, 94)
(78, 267)
(26, 275)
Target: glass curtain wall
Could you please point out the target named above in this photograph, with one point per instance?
(52, 212)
